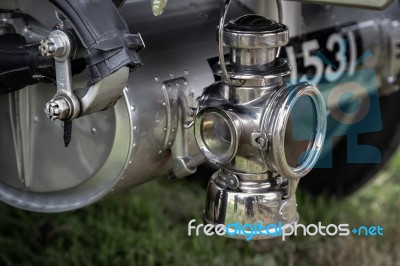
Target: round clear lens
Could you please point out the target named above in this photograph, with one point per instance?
(300, 131)
(216, 134)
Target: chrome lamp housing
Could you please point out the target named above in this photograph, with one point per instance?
(263, 132)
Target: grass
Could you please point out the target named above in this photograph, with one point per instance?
(147, 225)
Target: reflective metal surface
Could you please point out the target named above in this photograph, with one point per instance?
(221, 54)
(65, 105)
(39, 174)
(256, 48)
(217, 134)
(150, 136)
(275, 124)
(266, 205)
(242, 126)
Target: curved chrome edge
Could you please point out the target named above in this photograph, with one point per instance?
(234, 130)
(280, 110)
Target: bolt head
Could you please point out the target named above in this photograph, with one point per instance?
(58, 109)
(52, 47)
(232, 182)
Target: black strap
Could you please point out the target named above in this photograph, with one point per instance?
(105, 35)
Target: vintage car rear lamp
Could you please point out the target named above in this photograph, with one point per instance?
(263, 133)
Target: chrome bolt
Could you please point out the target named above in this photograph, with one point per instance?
(232, 182)
(261, 142)
(58, 108)
(52, 47)
(44, 47)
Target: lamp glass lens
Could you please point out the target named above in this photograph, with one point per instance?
(216, 134)
(300, 131)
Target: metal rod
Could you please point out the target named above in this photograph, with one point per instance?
(225, 74)
(280, 19)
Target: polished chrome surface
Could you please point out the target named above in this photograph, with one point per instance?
(274, 124)
(180, 138)
(258, 78)
(245, 57)
(291, 13)
(58, 109)
(221, 54)
(105, 93)
(252, 123)
(280, 20)
(217, 134)
(57, 45)
(243, 128)
(249, 48)
(257, 40)
(20, 123)
(47, 177)
(267, 205)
